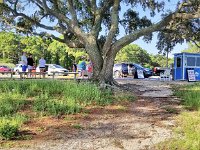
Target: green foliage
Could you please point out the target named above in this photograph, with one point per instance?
(160, 61)
(9, 46)
(56, 106)
(11, 65)
(12, 45)
(58, 97)
(35, 45)
(10, 103)
(8, 131)
(187, 135)
(62, 54)
(190, 95)
(192, 48)
(77, 126)
(9, 125)
(133, 53)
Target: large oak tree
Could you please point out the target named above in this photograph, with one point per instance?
(95, 24)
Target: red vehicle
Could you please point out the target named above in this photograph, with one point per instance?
(5, 69)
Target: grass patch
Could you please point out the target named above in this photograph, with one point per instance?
(190, 94)
(57, 106)
(187, 131)
(9, 126)
(124, 96)
(58, 97)
(77, 126)
(48, 97)
(187, 135)
(10, 103)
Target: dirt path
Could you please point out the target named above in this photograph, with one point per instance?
(142, 124)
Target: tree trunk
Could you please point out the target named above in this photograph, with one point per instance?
(102, 66)
(106, 75)
(97, 60)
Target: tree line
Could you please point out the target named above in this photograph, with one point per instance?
(12, 45)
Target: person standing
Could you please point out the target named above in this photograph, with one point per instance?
(24, 63)
(42, 63)
(30, 64)
(90, 69)
(74, 67)
(83, 68)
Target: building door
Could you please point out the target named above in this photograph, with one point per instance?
(178, 68)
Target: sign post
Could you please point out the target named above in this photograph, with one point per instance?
(140, 74)
(191, 75)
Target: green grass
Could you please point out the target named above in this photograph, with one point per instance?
(57, 97)
(10, 125)
(187, 133)
(77, 126)
(10, 103)
(48, 97)
(190, 94)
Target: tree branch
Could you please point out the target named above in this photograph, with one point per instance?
(196, 43)
(114, 26)
(30, 19)
(98, 16)
(15, 5)
(73, 27)
(137, 34)
(94, 6)
(72, 12)
(156, 27)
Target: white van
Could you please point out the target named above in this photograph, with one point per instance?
(50, 68)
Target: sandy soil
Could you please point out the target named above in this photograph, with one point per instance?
(138, 125)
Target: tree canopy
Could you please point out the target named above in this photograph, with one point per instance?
(133, 53)
(95, 25)
(193, 48)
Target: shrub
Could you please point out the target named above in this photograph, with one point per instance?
(10, 104)
(190, 95)
(9, 125)
(57, 107)
(8, 131)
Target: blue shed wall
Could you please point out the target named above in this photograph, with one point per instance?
(180, 73)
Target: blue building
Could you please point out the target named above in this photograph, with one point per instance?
(184, 62)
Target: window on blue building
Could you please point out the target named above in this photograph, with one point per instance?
(190, 61)
(178, 62)
(198, 61)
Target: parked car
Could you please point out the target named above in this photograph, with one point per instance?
(147, 72)
(5, 69)
(50, 68)
(123, 69)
